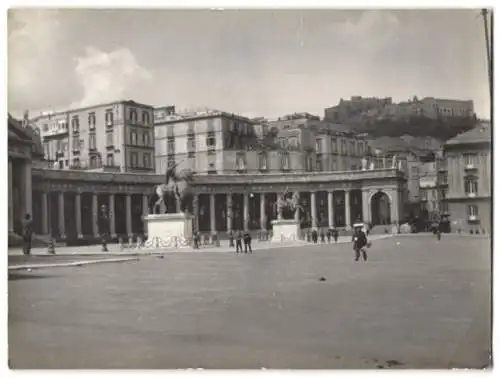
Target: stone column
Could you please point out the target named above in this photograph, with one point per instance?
(78, 215)
(395, 206)
(366, 206)
(177, 205)
(11, 205)
(314, 220)
(213, 225)
(95, 216)
(331, 210)
(28, 205)
(297, 210)
(128, 212)
(347, 207)
(263, 223)
(62, 224)
(229, 211)
(45, 214)
(145, 205)
(246, 211)
(280, 197)
(111, 208)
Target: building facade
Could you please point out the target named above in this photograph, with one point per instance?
(468, 183)
(115, 136)
(215, 142)
(357, 105)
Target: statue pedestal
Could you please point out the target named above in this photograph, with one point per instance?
(169, 229)
(285, 230)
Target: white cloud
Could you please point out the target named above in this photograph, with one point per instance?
(372, 32)
(111, 76)
(33, 36)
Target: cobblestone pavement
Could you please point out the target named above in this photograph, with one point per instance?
(417, 304)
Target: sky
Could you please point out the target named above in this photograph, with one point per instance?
(249, 62)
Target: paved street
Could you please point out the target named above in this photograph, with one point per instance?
(417, 304)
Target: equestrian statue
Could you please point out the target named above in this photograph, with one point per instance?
(289, 203)
(177, 186)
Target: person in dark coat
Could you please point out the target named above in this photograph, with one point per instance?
(27, 224)
(329, 235)
(360, 241)
(336, 235)
(247, 239)
(231, 239)
(239, 237)
(314, 235)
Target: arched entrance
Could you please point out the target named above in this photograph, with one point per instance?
(381, 208)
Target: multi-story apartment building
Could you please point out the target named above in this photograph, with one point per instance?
(468, 162)
(117, 136)
(428, 187)
(210, 142)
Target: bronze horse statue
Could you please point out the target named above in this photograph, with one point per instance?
(176, 185)
(289, 203)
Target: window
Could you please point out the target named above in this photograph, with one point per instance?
(76, 144)
(65, 146)
(471, 185)
(82, 144)
(133, 159)
(319, 162)
(146, 140)
(92, 142)
(75, 124)
(240, 161)
(110, 160)
(93, 162)
(191, 154)
(171, 144)
(109, 140)
(263, 162)
(109, 117)
(91, 121)
(145, 117)
(191, 142)
(472, 211)
(470, 159)
(284, 160)
(333, 145)
(424, 195)
(308, 162)
(76, 162)
(132, 115)
(352, 148)
(211, 139)
(334, 165)
(45, 127)
(58, 146)
(133, 137)
(146, 160)
(318, 145)
(344, 147)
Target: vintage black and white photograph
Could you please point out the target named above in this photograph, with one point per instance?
(249, 188)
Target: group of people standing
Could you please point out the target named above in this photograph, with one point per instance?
(241, 238)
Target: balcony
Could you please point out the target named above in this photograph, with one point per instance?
(470, 167)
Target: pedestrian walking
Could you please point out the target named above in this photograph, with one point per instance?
(27, 224)
(336, 235)
(329, 235)
(231, 238)
(247, 239)
(314, 235)
(360, 242)
(239, 237)
(322, 236)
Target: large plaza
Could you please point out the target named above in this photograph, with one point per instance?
(416, 303)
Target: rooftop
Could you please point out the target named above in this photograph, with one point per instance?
(479, 134)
